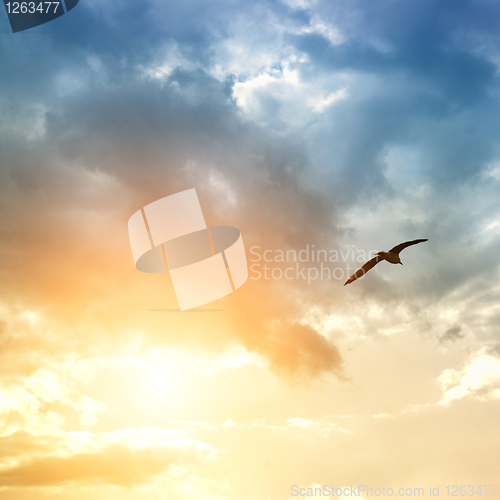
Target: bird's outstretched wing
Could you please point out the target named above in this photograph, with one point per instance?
(402, 246)
(364, 269)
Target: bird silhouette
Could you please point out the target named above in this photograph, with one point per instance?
(392, 256)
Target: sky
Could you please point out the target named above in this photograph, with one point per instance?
(340, 126)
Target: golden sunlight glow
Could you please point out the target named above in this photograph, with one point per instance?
(156, 379)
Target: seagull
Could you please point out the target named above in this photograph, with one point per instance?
(392, 256)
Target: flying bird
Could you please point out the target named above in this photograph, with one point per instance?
(392, 256)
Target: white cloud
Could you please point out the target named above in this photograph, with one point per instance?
(322, 427)
(480, 378)
(320, 104)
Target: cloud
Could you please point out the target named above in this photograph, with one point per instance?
(115, 464)
(322, 427)
(453, 333)
(177, 128)
(116, 123)
(126, 458)
(23, 443)
(480, 378)
(307, 122)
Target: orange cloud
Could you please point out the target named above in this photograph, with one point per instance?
(115, 464)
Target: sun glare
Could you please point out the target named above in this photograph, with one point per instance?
(157, 382)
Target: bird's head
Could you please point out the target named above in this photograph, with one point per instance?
(399, 261)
